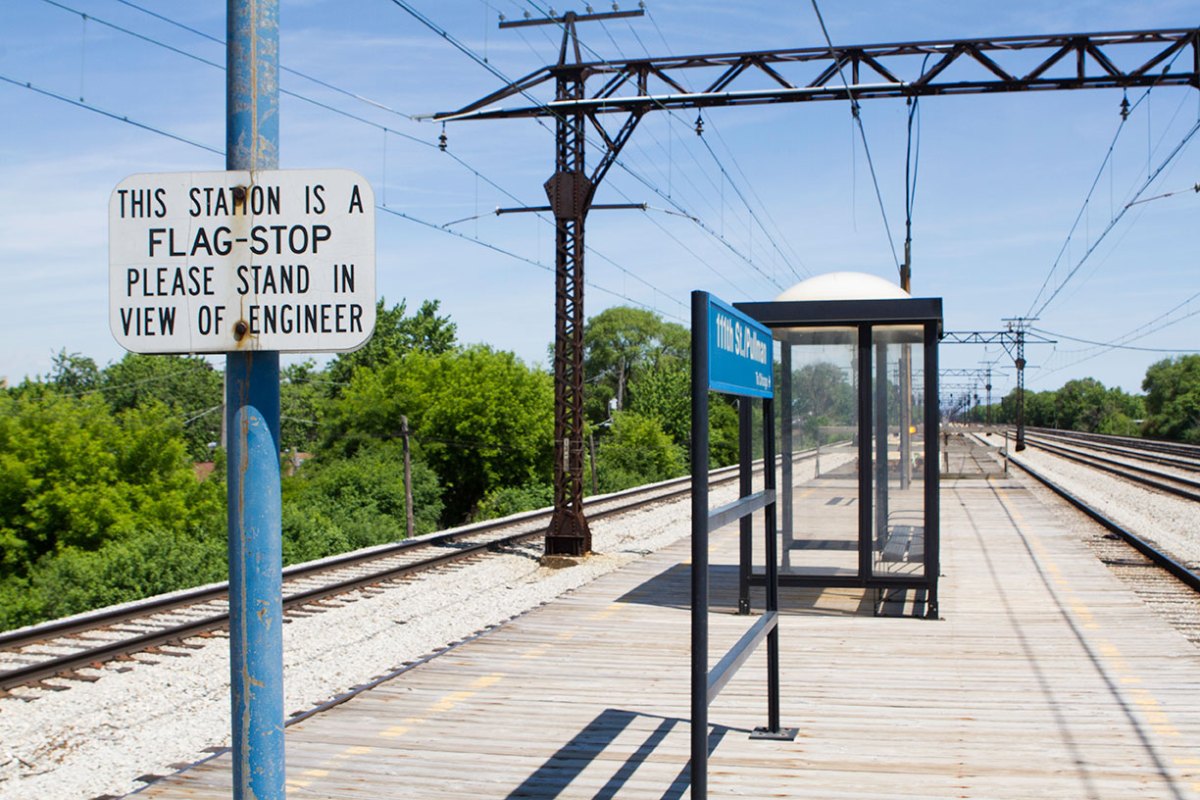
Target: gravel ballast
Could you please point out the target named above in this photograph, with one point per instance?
(1169, 521)
(171, 708)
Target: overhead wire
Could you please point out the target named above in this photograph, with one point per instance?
(111, 114)
(1127, 110)
(289, 70)
(466, 50)
(675, 117)
(386, 130)
(856, 113)
(1119, 216)
(517, 256)
(470, 53)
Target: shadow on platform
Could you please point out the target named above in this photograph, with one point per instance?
(558, 772)
(672, 588)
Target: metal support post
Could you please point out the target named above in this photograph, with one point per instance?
(933, 536)
(409, 516)
(772, 557)
(745, 489)
(988, 387)
(570, 193)
(866, 502)
(881, 446)
(699, 662)
(1020, 389)
(252, 422)
(786, 444)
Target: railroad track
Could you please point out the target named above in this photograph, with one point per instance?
(1180, 485)
(61, 648)
(1181, 456)
(1184, 573)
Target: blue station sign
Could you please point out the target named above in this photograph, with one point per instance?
(740, 353)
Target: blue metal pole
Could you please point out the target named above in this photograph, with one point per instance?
(700, 446)
(252, 428)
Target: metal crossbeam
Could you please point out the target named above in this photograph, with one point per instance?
(907, 69)
(636, 86)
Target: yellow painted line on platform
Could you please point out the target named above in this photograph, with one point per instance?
(607, 612)
(449, 701)
(394, 731)
(1158, 719)
(488, 680)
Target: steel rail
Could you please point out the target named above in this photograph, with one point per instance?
(1187, 454)
(12, 640)
(1148, 477)
(1185, 575)
(665, 490)
(1161, 457)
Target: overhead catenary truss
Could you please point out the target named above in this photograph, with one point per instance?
(634, 87)
(956, 66)
(1013, 340)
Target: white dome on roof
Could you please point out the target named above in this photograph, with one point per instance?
(844, 286)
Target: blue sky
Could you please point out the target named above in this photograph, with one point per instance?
(1001, 178)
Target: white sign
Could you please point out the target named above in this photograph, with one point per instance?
(215, 262)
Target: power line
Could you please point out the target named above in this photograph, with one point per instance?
(1113, 346)
(221, 67)
(325, 106)
(159, 131)
(110, 114)
(517, 256)
(675, 117)
(1120, 215)
(856, 113)
(289, 70)
(463, 48)
(1126, 111)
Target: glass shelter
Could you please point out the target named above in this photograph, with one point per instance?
(858, 404)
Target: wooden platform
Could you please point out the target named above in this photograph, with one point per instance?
(1044, 679)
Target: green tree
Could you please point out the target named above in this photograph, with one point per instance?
(86, 494)
(637, 451)
(481, 418)
(504, 501)
(1172, 389)
(302, 393)
(73, 373)
(188, 385)
(333, 505)
(395, 335)
(821, 396)
(665, 394)
(73, 475)
(618, 343)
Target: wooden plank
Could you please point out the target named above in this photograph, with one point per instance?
(1044, 678)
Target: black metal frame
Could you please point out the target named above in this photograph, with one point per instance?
(1070, 61)
(706, 685)
(865, 316)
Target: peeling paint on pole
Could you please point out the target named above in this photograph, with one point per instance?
(252, 423)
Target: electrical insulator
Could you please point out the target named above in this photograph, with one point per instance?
(699, 125)
(1124, 107)
(442, 139)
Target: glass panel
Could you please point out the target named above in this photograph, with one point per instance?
(822, 538)
(897, 451)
